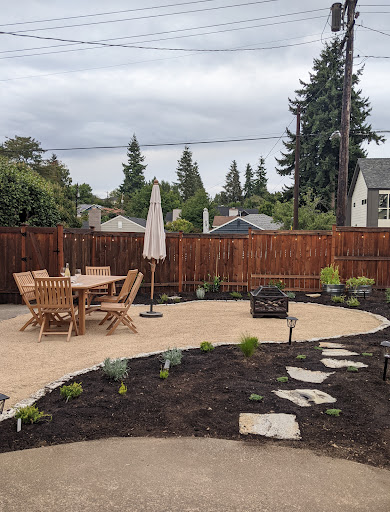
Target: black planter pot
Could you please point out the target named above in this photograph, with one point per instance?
(333, 289)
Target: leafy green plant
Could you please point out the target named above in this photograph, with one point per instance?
(368, 354)
(330, 275)
(122, 389)
(248, 345)
(352, 302)
(256, 398)
(282, 379)
(176, 299)
(318, 348)
(164, 374)
(352, 369)
(353, 282)
(115, 369)
(173, 354)
(31, 414)
(278, 283)
(206, 346)
(290, 295)
(301, 357)
(387, 295)
(163, 299)
(236, 295)
(72, 391)
(333, 412)
(338, 298)
(213, 284)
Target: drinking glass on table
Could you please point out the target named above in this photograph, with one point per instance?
(62, 271)
(77, 274)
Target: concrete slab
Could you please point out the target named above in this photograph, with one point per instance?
(342, 363)
(330, 344)
(307, 375)
(305, 397)
(338, 352)
(277, 425)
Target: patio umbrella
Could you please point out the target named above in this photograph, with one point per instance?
(154, 241)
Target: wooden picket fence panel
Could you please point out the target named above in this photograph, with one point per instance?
(243, 261)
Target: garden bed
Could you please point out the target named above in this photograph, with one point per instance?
(206, 393)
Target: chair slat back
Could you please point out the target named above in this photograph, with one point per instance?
(98, 271)
(25, 284)
(40, 273)
(54, 293)
(129, 281)
(134, 290)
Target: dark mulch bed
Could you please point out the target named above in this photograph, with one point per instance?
(205, 394)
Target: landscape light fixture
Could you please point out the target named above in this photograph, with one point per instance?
(291, 323)
(3, 398)
(386, 355)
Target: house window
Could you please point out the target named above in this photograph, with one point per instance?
(383, 206)
(364, 201)
(119, 224)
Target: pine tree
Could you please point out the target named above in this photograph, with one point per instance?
(134, 169)
(249, 182)
(321, 104)
(189, 180)
(232, 185)
(260, 187)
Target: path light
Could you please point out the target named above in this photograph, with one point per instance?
(291, 323)
(3, 398)
(386, 354)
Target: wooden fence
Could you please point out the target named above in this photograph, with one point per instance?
(243, 261)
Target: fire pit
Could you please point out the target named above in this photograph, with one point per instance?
(269, 301)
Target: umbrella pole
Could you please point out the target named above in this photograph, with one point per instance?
(153, 269)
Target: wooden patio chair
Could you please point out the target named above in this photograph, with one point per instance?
(120, 310)
(40, 273)
(122, 295)
(54, 298)
(26, 286)
(102, 290)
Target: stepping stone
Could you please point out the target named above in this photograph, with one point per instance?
(329, 344)
(307, 375)
(313, 295)
(338, 352)
(342, 363)
(305, 397)
(280, 426)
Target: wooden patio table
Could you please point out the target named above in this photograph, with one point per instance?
(85, 283)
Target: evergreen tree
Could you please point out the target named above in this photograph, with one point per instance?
(193, 209)
(24, 150)
(249, 182)
(134, 169)
(232, 185)
(260, 187)
(189, 180)
(321, 104)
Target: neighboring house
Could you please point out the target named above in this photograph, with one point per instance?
(226, 211)
(125, 224)
(81, 208)
(369, 194)
(239, 224)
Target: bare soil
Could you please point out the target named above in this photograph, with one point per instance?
(206, 393)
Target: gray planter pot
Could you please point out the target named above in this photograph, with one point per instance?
(200, 293)
(333, 289)
(360, 291)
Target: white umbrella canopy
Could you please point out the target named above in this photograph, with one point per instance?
(154, 240)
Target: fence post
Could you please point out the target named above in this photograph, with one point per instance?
(333, 249)
(180, 261)
(93, 247)
(23, 232)
(60, 247)
(249, 280)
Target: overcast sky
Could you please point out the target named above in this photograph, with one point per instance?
(68, 95)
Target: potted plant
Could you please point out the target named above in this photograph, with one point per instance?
(330, 280)
(360, 286)
(200, 292)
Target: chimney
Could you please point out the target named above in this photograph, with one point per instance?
(176, 214)
(206, 224)
(233, 212)
(94, 218)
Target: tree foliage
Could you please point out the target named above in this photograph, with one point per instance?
(249, 185)
(260, 185)
(25, 150)
(232, 187)
(180, 225)
(138, 204)
(321, 104)
(189, 180)
(192, 209)
(134, 169)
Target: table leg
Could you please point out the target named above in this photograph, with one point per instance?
(82, 299)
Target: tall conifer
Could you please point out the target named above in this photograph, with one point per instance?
(134, 169)
(233, 190)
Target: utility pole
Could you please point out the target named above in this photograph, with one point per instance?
(296, 173)
(342, 185)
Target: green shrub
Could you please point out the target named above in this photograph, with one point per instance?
(353, 282)
(338, 298)
(330, 275)
(290, 295)
(333, 412)
(282, 379)
(318, 348)
(278, 283)
(214, 284)
(368, 354)
(163, 299)
(31, 414)
(115, 369)
(206, 346)
(122, 389)
(248, 345)
(352, 302)
(164, 374)
(301, 357)
(72, 391)
(352, 369)
(387, 295)
(173, 354)
(236, 295)
(256, 398)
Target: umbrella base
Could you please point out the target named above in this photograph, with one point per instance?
(151, 314)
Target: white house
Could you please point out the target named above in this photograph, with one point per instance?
(369, 194)
(125, 224)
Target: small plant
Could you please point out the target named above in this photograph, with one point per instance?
(115, 369)
(248, 345)
(387, 295)
(163, 299)
(333, 412)
(352, 302)
(31, 414)
(282, 379)
(200, 292)
(301, 357)
(290, 295)
(72, 391)
(330, 275)
(176, 299)
(338, 298)
(256, 398)
(354, 282)
(213, 284)
(352, 369)
(278, 283)
(206, 346)
(368, 354)
(318, 348)
(164, 374)
(173, 354)
(236, 295)
(122, 389)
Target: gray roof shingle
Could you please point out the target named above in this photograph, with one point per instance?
(376, 172)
